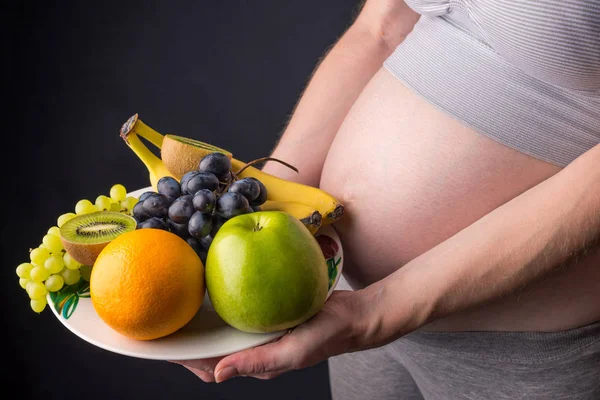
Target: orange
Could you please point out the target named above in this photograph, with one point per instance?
(147, 283)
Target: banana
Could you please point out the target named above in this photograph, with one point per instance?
(283, 190)
(310, 217)
(129, 132)
(278, 189)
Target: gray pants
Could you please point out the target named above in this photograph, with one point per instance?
(474, 365)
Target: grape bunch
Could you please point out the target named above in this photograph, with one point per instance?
(196, 207)
(50, 267)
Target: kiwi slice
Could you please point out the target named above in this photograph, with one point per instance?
(85, 236)
(181, 154)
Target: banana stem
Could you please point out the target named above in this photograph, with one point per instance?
(315, 219)
(135, 125)
(335, 215)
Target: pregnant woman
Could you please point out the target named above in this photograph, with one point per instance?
(463, 138)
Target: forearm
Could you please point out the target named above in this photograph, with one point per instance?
(513, 246)
(335, 85)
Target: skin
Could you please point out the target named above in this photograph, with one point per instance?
(466, 234)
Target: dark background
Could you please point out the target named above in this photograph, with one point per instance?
(225, 72)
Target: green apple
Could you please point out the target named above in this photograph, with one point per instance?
(265, 272)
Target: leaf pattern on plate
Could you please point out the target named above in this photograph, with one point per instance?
(330, 250)
(65, 301)
(332, 269)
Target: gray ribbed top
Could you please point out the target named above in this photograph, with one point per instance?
(525, 73)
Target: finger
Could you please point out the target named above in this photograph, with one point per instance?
(204, 364)
(207, 377)
(204, 374)
(202, 368)
(269, 375)
(271, 358)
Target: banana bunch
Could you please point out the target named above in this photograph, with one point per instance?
(312, 206)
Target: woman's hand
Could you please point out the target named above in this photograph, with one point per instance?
(341, 326)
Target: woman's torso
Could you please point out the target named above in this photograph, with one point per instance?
(411, 176)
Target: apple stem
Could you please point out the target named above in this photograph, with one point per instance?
(236, 174)
(257, 227)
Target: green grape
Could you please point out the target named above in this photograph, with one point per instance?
(118, 192)
(64, 218)
(54, 264)
(38, 305)
(54, 283)
(23, 282)
(70, 276)
(86, 272)
(127, 204)
(103, 203)
(36, 290)
(52, 243)
(115, 206)
(84, 207)
(39, 255)
(70, 262)
(39, 274)
(54, 230)
(23, 270)
(28, 284)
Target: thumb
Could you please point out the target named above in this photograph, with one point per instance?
(276, 356)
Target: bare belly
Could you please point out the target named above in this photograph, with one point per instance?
(410, 177)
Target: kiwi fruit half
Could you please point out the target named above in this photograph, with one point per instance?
(85, 236)
(181, 154)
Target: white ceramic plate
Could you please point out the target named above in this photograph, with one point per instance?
(206, 336)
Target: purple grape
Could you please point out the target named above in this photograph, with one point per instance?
(247, 187)
(157, 205)
(204, 201)
(202, 180)
(144, 196)
(262, 196)
(139, 213)
(217, 223)
(200, 225)
(181, 209)
(185, 179)
(206, 241)
(171, 199)
(169, 186)
(180, 230)
(153, 222)
(224, 181)
(216, 163)
(194, 244)
(198, 248)
(205, 245)
(231, 204)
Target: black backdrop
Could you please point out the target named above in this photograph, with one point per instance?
(226, 72)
